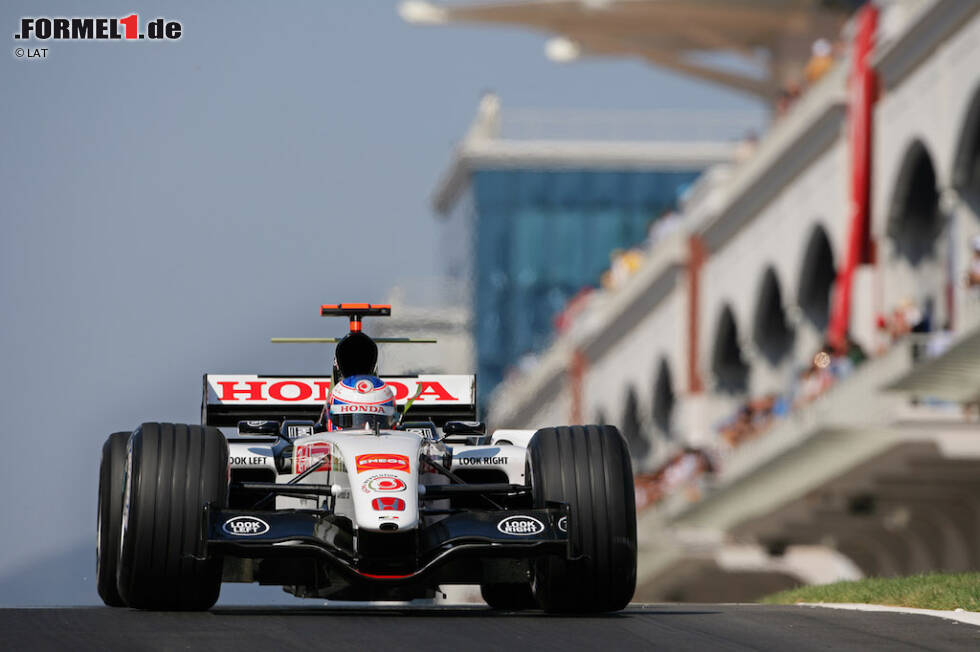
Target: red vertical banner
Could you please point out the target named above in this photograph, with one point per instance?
(861, 104)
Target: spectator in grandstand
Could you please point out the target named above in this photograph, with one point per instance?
(816, 379)
(573, 307)
(761, 409)
(821, 59)
(743, 426)
(906, 318)
(726, 430)
(882, 334)
(924, 323)
(782, 406)
(897, 326)
(855, 351)
(939, 341)
(787, 97)
(840, 366)
(758, 415)
(680, 472)
(668, 222)
(624, 265)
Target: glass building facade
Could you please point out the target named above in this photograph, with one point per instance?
(530, 239)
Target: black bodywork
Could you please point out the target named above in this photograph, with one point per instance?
(320, 555)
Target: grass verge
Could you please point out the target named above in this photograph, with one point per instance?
(931, 591)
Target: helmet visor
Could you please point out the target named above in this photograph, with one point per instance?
(362, 416)
(361, 421)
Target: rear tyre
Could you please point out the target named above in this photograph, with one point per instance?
(173, 470)
(508, 597)
(111, 475)
(587, 467)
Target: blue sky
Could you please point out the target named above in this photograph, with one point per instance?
(166, 207)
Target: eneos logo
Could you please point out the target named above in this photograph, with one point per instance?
(380, 461)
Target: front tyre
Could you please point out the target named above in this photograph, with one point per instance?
(587, 467)
(173, 471)
(111, 475)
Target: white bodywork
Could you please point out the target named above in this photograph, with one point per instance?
(362, 466)
(254, 454)
(507, 458)
(356, 461)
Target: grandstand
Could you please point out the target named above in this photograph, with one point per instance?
(797, 363)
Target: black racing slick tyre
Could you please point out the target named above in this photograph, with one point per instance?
(173, 470)
(111, 475)
(588, 468)
(508, 597)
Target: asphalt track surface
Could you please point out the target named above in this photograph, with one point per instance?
(394, 629)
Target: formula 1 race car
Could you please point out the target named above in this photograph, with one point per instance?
(353, 487)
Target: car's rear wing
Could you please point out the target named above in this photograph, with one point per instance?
(230, 398)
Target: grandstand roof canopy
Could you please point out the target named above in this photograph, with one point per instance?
(668, 33)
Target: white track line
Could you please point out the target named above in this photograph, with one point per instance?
(959, 615)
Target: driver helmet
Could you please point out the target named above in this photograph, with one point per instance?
(361, 402)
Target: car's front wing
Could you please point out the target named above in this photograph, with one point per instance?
(517, 534)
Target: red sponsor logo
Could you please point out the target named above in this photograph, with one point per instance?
(299, 390)
(424, 388)
(359, 408)
(388, 504)
(283, 390)
(307, 455)
(378, 461)
(383, 483)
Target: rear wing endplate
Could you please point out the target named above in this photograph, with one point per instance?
(230, 398)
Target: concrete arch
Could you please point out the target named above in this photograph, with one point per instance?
(664, 399)
(631, 425)
(914, 220)
(916, 263)
(940, 534)
(771, 331)
(816, 279)
(728, 364)
(966, 163)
